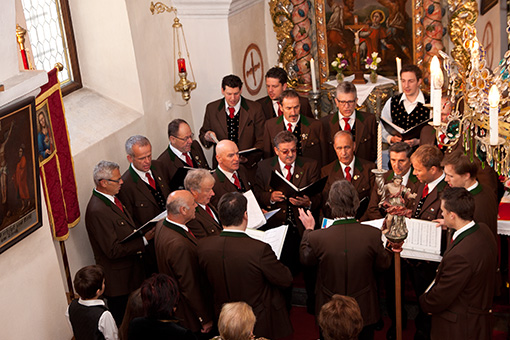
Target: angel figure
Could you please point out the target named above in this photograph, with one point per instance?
(394, 201)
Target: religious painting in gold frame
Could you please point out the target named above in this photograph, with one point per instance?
(411, 30)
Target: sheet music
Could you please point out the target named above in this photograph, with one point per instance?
(274, 237)
(289, 183)
(423, 240)
(215, 140)
(256, 218)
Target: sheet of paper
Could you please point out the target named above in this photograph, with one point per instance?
(271, 213)
(274, 237)
(256, 218)
(423, 240)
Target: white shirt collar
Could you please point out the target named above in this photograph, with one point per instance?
(419, 99)
(177, 152)
(92, 302)
(141, 174)
(352, 119)
(473, 187)
(463, 229)
(350, 165)
(283, 169)
(178, 224)
(286, 123)
(229, 175)
(110, 197)
(432, 185)
(234, 231)
(276, 106)
(405, 178)
(237, 107)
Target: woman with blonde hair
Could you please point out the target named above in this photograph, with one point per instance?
(236, 322)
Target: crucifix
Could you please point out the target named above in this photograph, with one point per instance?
(358, 73)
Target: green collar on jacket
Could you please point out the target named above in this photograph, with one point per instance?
(466, 233)
(227, 233)
(244, 104)
(302, 119)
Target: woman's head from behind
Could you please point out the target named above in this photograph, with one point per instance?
(236, 321)
(159, 295)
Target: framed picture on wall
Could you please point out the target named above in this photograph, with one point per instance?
(20, 198)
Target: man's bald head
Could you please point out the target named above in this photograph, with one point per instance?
(180, 206)
(227, 155)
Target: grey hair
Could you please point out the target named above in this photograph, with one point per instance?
(174, 205)
(346, 87)
(136, 140)
(103, 170)
(343, 133)
(195, 178)
(343, 199)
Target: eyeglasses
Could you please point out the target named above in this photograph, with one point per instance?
(185, 138)
(113, 180)
(287, 151)
(344, 102)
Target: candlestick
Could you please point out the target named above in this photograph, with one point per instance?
(312, 70)
(379, 147)
(399, 68)
(493, 115)
(436, 83)
(181, 65)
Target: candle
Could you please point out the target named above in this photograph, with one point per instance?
(314, 81)
(436, 83)
(355, 20)
(181, 65)
(493, 115)
(399, 68)
(379, 146)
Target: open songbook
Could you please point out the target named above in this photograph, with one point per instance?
(274, 237)
(411, 133)
(148, 225)
(256, 218)
(423, 240)
(280, 183)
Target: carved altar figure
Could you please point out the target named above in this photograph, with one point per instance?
(394, 201)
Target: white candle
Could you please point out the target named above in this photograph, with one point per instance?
(493, 115)
(379, 147)
(312, 70)
(436, 83)
(399, 68)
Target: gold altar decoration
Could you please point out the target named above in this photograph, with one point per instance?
(282, 25)
(469, 83)
(183, 85)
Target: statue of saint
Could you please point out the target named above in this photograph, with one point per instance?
(394, 200)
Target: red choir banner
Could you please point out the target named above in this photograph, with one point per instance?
(55, 159)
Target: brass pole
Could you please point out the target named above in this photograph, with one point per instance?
(398, 298)
(63, 251)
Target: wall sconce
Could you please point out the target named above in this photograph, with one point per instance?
(184, 85)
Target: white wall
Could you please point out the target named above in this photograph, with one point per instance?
(126, 57)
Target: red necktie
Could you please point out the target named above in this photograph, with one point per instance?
(348, 173)
(280, 112)
(151, 180)
(118, 204)
(236, 181)
(289, 127)
(191, 233)
(232, 111)
(209, 211)
(425, 191)
(188, 159)
(289, 175)
(347, 126)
